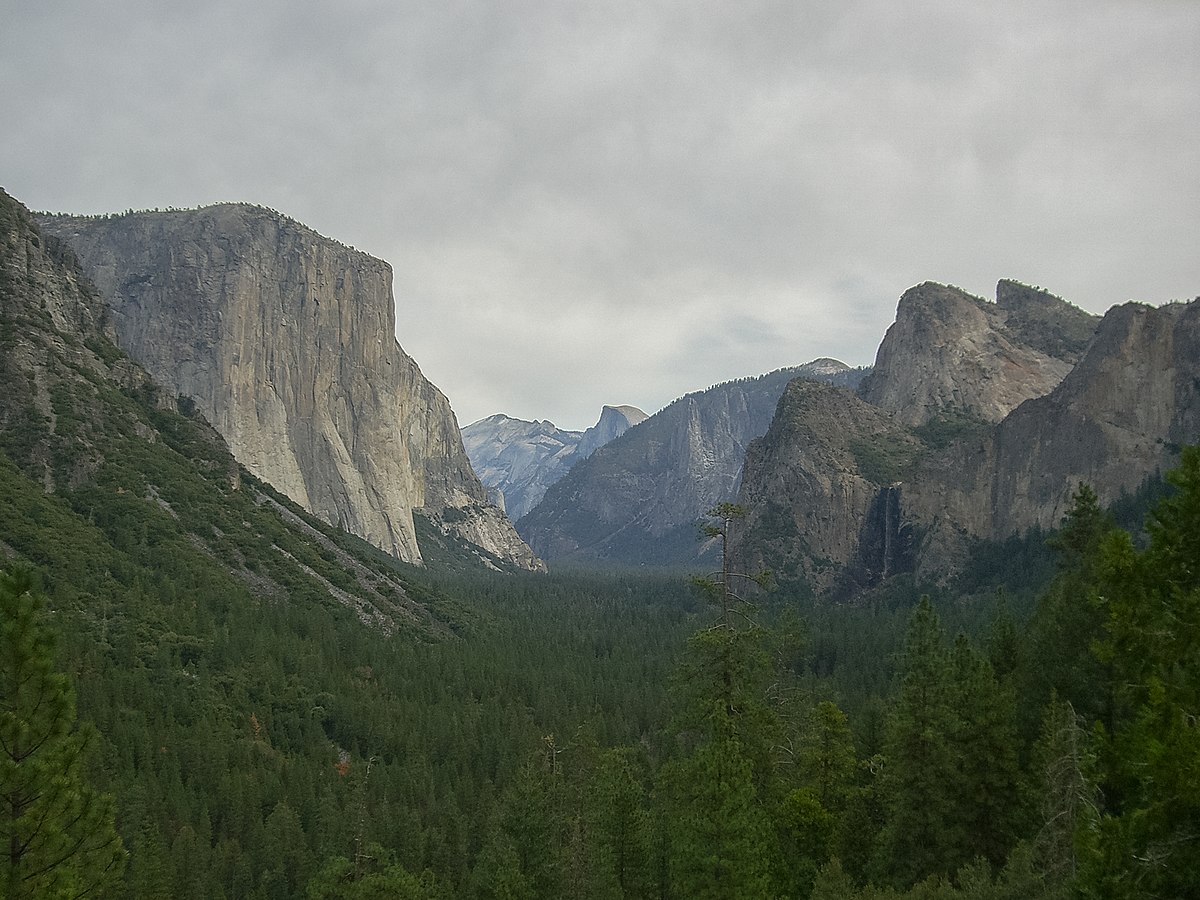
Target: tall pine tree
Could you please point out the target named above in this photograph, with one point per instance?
(57, 833)
(1148, 842)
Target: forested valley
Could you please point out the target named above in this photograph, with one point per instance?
(205, 692)
(584, 735)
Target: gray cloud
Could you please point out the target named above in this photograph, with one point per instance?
(622, 202)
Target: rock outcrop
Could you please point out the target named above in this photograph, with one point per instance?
(286, 342)
(1119, 417)
(950, 354)
(843, 493)
(517, 461)
(614, 421)
(819, 492)
(636, 501)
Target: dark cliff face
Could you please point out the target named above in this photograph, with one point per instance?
(637, 500)
(285, 341)
(951, 354)
(819, 488)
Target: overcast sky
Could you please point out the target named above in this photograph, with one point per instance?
(589, 203)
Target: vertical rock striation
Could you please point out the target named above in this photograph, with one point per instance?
(286, 342)
(1118, 418)
(843, 493)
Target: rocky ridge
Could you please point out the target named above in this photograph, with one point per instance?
(1118, 418)
(838, 508)
(636, 501)
(285, 340)
(952, 354)
(517, 460)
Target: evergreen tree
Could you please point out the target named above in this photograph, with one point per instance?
(382, 879)
(920, 798)
(1065, 798)
(619, 821)
(1148, 842)
(722, 784)
(721, 846)
(986, 777)
(1057, 655)
(827, 762)
(57, 833)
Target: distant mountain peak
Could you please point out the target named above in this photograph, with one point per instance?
(518, 460)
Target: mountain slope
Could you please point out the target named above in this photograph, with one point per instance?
(1118, 418)
(815, 482)
(517, 461)
(636, 501)
(107, 486)
(285, 341)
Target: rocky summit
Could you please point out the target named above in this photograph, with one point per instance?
(978, 422)
(285, 341)
(951, 354)
(517, 460)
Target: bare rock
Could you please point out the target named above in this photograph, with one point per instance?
(286, 342)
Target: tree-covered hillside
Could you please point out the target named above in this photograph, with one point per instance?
(279, 710)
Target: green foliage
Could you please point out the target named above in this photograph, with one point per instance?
(281, 710)
(381, 879)
(949, 426)
(885, 458)
(1057, 652)
(951, 777)
(720, 844)
(1148, 839)
(57, 830)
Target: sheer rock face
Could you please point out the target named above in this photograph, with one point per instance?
(636, 501)
(949, 353)
(614, 421)
(286, 342)
(517, 461)
(811, 493)
(1116, 419)
(842, 493)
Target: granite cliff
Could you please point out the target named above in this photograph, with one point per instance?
(950, 354)
(129, 502)
(980, 438)
(636, 501)
(825, 467)
(1118, 418)
(285, 341)
(517, 461)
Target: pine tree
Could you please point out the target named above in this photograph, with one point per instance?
(721, 837)
(1057, 656)
(722, 783)
(826, 759)
(1065, 797)
(919, 794)
(57, 833)
(619, 821)
(1148, 842)
(986, 777)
